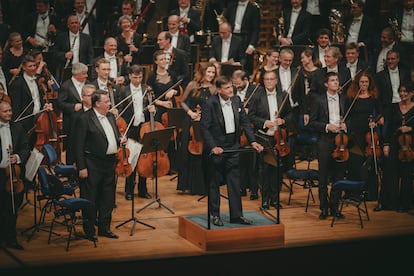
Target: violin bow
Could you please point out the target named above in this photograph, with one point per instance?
(24, 110)
(163, 94)
(9, 151)
(292, 83)
(128, 97)
(30, 115)
(251, 95)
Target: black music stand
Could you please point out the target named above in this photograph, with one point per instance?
(271, 156)
(133, 218)
(154, 141)
(176, 117)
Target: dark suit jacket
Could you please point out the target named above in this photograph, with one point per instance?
(123, 70)
(183, 43)
(297, 88)
(302, 30)
(179, 66)
(90, 137)
(20, 146)
(28, 27)
(116, 89)
(212, 127)
(236, 50)
(317, 85)
(404, 57)
(21, 97)
(383, 82)
(62, 46)
(259, 109)
(366, 32)
(250, 26)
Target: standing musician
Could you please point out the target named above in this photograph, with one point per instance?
(13, 56)
(97, 141)
(27, 98)
(70, 101)
(248, 169)
(325, 118)
(87, 21)
(272, 64)
(366, 114)
(103, 81)
(134, 109)
(189, 18)
(270, 113)
(72, 46)
(222, 118)
(396, 190)
(192, 168)
(13, 135)
(129, 41)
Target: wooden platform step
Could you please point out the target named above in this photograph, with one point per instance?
(263, 234)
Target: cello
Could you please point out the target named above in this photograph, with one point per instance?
(405, 153)
(146, 160)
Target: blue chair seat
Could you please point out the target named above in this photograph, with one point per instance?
(302, 174)
(74, 204)
(349, 185)
(65, 170)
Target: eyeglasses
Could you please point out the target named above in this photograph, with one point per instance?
(269, 79)
(90, 95)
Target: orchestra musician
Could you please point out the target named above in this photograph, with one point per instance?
(325, 118)
(70, 101)
(269, 116)
(189, 18)
(192, 168)
(97, 141)
(134, 109)
(27, 97)
(13, 57)
(222, 118)
(129, 41)
(10, 134)
(396, 191)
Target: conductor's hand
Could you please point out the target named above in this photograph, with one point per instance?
(258, 147)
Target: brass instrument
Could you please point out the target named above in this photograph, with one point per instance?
(220, 17)
(337, 25)
(281, 28)
(394, 25)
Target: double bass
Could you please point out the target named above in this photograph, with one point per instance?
(146, 160)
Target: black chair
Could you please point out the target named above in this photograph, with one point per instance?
(65, 208)
(306, 178)
(354, 192)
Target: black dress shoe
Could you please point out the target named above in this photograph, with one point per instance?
(13, 244)
(276, 204)
(324, 214)
(265, 206)
(378, 208)
(253, 196)
(128, 197)
(92, 237)
(243, 192)
(339, 215)
(241, 220)
(146, 195)
(217, 221)
(108, 234)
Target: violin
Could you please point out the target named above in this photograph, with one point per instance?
(280, 134)
(195, 146)
(123, 167)
(51, 92)
(405, 153)
(14, 183)
(146, 160)
(341, 152)
(372, 139)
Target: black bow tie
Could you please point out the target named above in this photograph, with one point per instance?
(332, 98)
(4, 125)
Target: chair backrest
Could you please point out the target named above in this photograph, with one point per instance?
(50, 153)
(50, 184)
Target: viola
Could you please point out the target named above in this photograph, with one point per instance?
(405, 153)
(372, 139)
(195, 146)
(341, 152)
(123, 167)
(14, 182)
(281, 145)
(146, 160)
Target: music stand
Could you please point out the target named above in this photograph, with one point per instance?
(176, 117)
(271, 156)
(133, 218)
(154, 141)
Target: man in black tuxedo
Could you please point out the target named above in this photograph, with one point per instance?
(332, 60)
(325, 118)
(269, 118)
(189, 18)
(179, 40)
(297, 25)
(244, 18)
(177, 58)
(134, 109)
(72, 46)
(221, 121)
(87, 21)
(97, 141)
(11, 134)
(353, 62)
(226, 46)
(27, 97)
(70, 101)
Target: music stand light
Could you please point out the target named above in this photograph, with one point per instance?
(154, 141)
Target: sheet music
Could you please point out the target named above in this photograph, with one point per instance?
(134, 151)
(33, 164)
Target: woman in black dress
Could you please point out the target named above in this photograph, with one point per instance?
(191, 171)
(364, 114)
(129, 42)
(397, 190)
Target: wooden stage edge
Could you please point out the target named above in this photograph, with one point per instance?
(240, 238)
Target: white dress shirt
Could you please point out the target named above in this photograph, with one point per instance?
(352, 68)
(407, 26)
(34, 91)
(273, 109)
(293, 19)
(113, 64)
(241, 9)
(228, 115)
(225, 49)
(333, 107)
(6, 140)
(78, 85)
(109, 133)
(382, 57)
(395, 83)
(137, 100)
(321, 55)
(42, 25)
(74, 46)
(353, 31)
